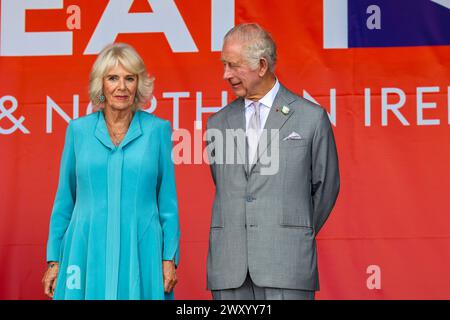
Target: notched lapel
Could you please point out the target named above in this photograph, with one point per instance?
(236, 121)
(276, 119)
(134, 131)
(236, 115)
(101, 132)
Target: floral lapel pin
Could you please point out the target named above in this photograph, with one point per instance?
(285, 110)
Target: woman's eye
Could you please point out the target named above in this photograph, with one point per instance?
(112, 78)
(131, 79)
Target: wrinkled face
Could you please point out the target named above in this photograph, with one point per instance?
(244, 80)
(119, 88)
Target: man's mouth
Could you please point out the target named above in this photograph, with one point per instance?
(235, 84)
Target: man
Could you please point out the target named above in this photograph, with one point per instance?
(262, 239)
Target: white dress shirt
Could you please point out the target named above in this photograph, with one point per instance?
(266, 103)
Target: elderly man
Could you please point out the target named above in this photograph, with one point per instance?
(262, 238)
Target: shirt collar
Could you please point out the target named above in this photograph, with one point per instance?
(268, 99)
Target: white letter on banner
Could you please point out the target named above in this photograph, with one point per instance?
(176, 105)
(152, 107)
(385, 106)
(16, 42)
(332, 114)
(200, 109)
(222, 20)
(8, 113)
(165, 18)
(425, 105)
(367, 106)
(448, 104)
(51, 105)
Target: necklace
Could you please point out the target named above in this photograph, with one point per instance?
(118, 130)
(116, 135)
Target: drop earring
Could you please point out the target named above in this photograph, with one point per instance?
(101, 98)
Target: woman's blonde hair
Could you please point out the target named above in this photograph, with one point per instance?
(111, 56)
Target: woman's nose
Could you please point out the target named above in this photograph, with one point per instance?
(122, 84)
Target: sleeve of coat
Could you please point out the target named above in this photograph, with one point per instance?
(325, 172)
(64, 199)
(211, 151)
(167, 197)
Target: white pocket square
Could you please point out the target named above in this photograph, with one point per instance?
(293, 136)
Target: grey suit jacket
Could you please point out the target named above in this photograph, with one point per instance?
(267, 224)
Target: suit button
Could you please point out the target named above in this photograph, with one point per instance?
(249, 198)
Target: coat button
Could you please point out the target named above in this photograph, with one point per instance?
(250, 198)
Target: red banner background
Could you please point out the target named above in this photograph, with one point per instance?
(393, 211)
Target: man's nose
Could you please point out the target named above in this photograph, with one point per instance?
(226, 72)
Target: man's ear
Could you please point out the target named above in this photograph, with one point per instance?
(263, 67)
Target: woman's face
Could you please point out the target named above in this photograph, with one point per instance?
(119, 88)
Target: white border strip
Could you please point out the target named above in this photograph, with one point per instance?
(335, 24)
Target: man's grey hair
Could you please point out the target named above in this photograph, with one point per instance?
(258, 44)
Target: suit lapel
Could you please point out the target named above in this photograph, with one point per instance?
(236, 115)
(236, 121)
(276, 118)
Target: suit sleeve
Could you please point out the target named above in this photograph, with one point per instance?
(211, 151)
(64, 199)
(167, 197)
(325, 172)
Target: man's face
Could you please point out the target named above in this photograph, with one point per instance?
(244, 80)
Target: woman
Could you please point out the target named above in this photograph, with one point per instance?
(114, 231)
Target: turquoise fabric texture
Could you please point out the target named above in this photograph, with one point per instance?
(115, 214)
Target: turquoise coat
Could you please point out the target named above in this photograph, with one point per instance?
(115, 215)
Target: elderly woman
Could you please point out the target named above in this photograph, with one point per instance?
(114, 231)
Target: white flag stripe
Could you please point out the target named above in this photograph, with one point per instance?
(444, 3)
(335, 24)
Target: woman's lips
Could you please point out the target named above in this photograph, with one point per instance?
(121, 97)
